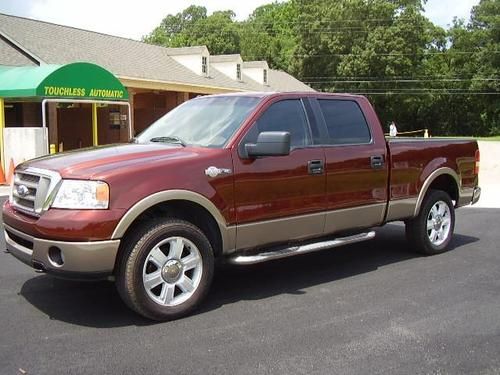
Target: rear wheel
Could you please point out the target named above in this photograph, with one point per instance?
(431, 231)
(166, 271)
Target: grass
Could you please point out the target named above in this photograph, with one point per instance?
(495, 138)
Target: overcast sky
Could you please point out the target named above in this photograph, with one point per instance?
(133, 18)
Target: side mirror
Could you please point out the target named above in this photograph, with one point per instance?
(269, 144)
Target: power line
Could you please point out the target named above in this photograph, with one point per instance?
(174, 29)
(406, 80)
(409, 89)
(396, 77)
(420, 54)
(416, 93)
(403, 78)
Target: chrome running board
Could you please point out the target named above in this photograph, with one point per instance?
(302, 249)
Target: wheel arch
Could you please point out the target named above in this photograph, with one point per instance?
(444, 179)
(186, 205)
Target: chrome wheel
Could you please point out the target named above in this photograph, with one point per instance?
(172, 271)
(438, 223)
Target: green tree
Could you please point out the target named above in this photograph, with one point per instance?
(376, 47)
(474, 56)
(173, 29)
(414, 72)
(192, 27)
(269, 34)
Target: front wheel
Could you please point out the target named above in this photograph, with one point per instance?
(431, 230)
(166, 270)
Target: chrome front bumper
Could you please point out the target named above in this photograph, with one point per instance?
(79, 259)
(476, 195)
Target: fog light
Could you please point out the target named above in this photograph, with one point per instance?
(55, 256)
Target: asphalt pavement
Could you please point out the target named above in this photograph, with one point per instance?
(369, 308)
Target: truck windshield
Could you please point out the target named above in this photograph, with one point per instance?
(206, 122)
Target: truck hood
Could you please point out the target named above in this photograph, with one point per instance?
(98, 162)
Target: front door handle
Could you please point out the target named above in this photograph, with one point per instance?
(315, 167)
(377, 161)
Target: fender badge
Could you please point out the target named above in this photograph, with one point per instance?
(214, 171)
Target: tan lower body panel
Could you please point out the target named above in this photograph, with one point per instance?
(401, 209)
(279, 230)
(354, 217)
(308, 226)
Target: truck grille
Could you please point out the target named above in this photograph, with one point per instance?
(31, 189)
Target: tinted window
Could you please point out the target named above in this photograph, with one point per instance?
(345, 122)
(288, 116)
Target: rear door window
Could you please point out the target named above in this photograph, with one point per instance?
(345, 122)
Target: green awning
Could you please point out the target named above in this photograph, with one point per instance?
(72, 81)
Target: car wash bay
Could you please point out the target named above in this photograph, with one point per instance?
(51, 108)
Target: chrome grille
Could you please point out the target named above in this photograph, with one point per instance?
(32, 188)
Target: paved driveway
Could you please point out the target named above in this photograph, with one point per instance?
(369, 308)
(489, 174)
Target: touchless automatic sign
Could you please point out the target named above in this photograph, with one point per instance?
(83, 92)
(79, 80)
(82, 81)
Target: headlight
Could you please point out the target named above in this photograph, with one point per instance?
(82, 194)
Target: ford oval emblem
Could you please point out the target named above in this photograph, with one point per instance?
(22, 191)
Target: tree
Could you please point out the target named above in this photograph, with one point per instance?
(414, 72)
(376, 48)
(173, 28)
(192, 27)
(268, 34)
(474, 55)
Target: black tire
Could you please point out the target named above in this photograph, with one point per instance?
(416, 228)
(136, 252)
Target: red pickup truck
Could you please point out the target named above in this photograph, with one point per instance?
(241, 177)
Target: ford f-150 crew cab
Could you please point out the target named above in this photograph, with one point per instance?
(241, 177)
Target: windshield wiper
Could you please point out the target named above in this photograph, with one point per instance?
(169, 139)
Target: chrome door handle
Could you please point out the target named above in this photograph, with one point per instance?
(315, 167)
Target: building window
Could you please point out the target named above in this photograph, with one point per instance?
(238, 72)
(204, 65)
(265, 76)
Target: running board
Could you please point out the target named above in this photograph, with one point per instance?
(296, 250)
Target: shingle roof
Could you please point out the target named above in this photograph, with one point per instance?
(194, 50)
(255, 64)
(57, 44)
(11, 56)
(282, 81)
(225, 58)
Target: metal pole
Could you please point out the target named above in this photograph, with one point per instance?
(130, 134)
(44, 125)
(2, 126)
(95, 137)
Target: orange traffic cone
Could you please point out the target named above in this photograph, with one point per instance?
(10, 174)
(3, 181)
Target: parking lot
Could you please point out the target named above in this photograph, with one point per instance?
(374, 307)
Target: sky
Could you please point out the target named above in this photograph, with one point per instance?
(133, 19)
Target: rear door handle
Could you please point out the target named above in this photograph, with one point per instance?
(377, 161)
(315, 167)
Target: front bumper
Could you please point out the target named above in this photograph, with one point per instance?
(79, 260)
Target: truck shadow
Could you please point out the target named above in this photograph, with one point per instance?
(98, 304)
